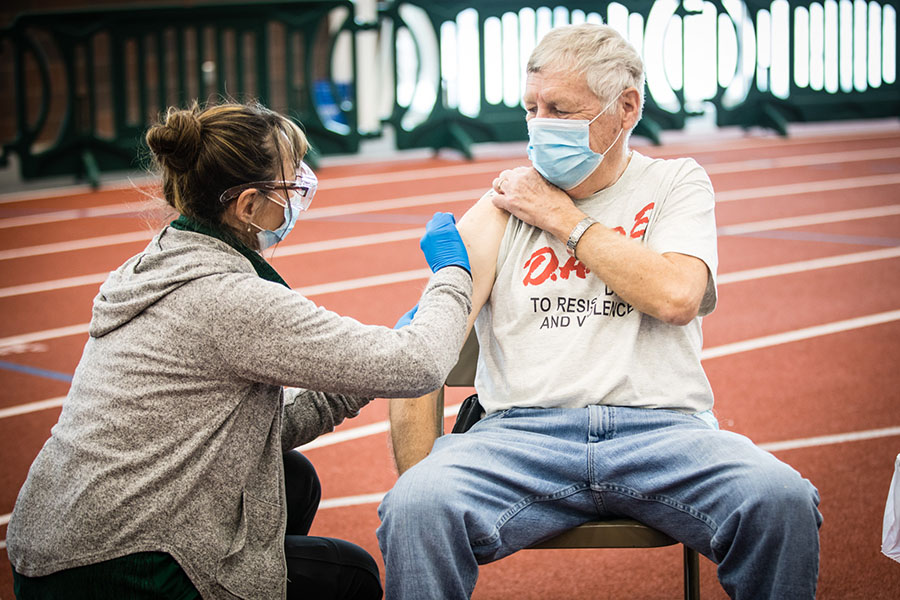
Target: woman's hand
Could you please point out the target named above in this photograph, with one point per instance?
(442, 245)
(407, 317)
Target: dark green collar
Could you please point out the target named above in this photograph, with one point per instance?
(263, 269)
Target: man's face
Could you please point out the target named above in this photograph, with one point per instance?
(565, 95)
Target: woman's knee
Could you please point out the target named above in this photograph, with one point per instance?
(302, 492)
(365, 581)
(299, 472)
(330, 568)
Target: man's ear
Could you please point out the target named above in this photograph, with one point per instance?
(632, 106)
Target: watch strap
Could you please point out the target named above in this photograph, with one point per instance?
(576, 234)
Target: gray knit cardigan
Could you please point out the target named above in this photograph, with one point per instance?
(197, 375)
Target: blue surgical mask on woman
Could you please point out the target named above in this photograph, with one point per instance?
(560, 149)
(266, 238)
(300, 192)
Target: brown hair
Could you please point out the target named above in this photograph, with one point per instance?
(201, 152)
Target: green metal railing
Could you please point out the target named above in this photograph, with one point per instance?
(85, 85)
(477, 46)
(80, 88)
(716, 58)
(823, 61)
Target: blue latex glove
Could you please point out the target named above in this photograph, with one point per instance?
(407, 317)
(442, 245)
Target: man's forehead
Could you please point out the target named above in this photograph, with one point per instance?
(557, 86)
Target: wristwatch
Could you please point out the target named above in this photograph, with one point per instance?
(576, 234)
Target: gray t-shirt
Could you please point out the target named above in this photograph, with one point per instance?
(553, 335)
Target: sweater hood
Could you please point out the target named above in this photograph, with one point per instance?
(172, 259)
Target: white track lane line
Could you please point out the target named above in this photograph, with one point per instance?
(339, 286)
(456, 196)
(728, 349)
(364, 282)
(811, 442)
(806, 160)
(718, 351)
(466, 170)
(326, 212)
(57, 216)
(808, 187)
(809, 265)
(805, 333)
(42, 336)
(407, 234)
(53, 285)
(23, 409)
(873, 212)
(281, 250)
(349, 242)
(74, 245)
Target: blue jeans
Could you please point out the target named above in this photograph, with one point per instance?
(526, 474)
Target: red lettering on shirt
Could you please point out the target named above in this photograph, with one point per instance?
(543, 265)
(537, 260)
(641, 219)
(573, 265)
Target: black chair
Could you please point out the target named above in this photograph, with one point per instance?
(608, 533)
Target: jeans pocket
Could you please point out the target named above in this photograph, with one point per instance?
(254, 565)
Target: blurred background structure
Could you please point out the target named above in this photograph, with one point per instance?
(81, 80)
(792, 107)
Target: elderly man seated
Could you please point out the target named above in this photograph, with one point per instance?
(592, 272)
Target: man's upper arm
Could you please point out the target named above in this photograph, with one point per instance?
(697, 280)
(482, 229)
(686, 232)
(414, 422)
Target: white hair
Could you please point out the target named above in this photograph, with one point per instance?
(608, 62)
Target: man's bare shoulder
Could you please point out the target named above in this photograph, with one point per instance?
(483, 221)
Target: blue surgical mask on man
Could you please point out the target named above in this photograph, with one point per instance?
(560, 149)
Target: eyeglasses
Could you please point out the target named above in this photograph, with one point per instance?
(300, 191)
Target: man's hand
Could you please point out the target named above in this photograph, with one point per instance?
(523, 192)
(667, 286)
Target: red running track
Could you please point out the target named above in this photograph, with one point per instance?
(802, 353)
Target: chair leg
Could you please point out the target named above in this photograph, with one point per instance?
(691, 574)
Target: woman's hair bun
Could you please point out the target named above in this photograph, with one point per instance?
(176, 141)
